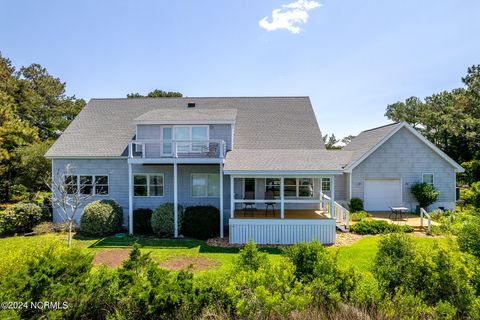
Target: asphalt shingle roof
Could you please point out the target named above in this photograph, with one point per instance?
(104, 127)
(286, 160)
(190, 114)
(367, 139)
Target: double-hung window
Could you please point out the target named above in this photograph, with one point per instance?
(87, 184)
(326, 185)
(428, 178)
(148, 185)
(205, 185)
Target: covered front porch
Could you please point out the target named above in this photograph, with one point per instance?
(284, 209)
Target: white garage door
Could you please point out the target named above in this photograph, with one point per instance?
(381, 194)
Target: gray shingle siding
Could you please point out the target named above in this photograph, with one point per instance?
(117, 171)
(405, 156)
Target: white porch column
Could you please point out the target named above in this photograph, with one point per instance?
(332, 197)
(221, 200)
(130, 199)
(282, 198)
(175, 200)
(321, 194)
(232, 197)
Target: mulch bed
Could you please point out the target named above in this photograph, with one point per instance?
(111, 257)
(343, 239)
(183, 262)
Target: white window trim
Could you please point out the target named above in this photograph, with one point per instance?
(148, 184)
(330, 181)
(297, 187)
(190, 138)
(430, 173)
(206, 186)
(94, 176)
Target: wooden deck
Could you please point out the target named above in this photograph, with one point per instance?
(289, 214)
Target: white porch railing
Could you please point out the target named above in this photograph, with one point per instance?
(281, 231)
(341, 214)
(155, 148)
(424, 212)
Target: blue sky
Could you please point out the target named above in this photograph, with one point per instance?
(351, 57)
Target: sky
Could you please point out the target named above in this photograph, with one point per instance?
(351, 57)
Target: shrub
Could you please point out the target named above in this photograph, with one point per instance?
(355, 204)
(306, 258)
(469, 235)
(201, 222)
(163, 220)
(142, 221)
(358, 216)
(435, 274)
(425, 193)
(51, 273)
(378, 227)
(44, 227)
(101, 217)
(250, 258)
(20, 218)
(392, 261)
(472, 195)
(270, 292)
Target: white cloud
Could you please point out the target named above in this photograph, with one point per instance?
(289, 16)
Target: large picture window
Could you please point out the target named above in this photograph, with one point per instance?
(294, 187)
(148, 185)
(189, 138)
(205, 185)
(87, 184)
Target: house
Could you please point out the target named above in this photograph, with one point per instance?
(260, 160)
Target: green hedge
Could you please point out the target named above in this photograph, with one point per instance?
(21, 218)
(142, 221)
(163, 220)
(378, 227)
(101, 217)
(201, 222)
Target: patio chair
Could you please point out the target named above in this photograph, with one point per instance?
(212, 150)
(269, 196)
(249, 195)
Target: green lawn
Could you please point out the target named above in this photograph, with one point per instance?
(359, 255)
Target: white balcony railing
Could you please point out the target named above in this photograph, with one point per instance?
(154, 149)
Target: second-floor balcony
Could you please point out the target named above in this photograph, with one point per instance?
(159, 149)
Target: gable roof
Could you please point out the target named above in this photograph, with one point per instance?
(104, 126)
(370, 140)
(278, 160)
(186, 115)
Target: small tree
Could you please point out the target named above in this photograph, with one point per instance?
(425, 193)
(66, 196)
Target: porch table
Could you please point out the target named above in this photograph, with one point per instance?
(396, 211)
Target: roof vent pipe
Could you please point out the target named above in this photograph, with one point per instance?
(191, 105)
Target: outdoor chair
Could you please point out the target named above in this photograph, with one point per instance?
(269, 196)
(249, 195)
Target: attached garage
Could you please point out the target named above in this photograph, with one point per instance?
(381, 194)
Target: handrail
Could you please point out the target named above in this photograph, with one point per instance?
(340, 213)
(424, 212)
(158, 146)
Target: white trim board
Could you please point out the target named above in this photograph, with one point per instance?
(444, 156)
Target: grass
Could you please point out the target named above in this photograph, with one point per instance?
(359, 255)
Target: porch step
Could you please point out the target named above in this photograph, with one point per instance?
(342, 228)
